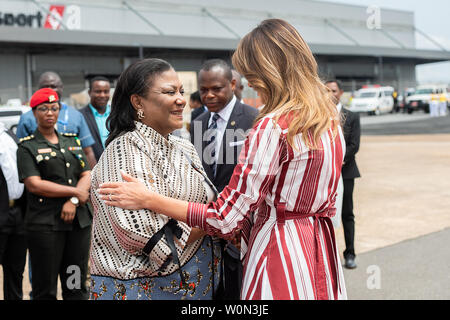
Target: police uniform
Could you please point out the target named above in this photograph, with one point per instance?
(56, 248)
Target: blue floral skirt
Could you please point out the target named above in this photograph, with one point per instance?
(201, 274)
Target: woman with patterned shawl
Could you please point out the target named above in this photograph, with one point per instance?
(138, 254)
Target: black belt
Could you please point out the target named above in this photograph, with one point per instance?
(170, 229)
(176, 230)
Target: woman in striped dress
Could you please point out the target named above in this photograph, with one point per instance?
(287, 176)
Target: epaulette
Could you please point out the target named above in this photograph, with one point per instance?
(69, 134)
(73, 135)
(30, 137)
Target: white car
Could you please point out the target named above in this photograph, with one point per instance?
(374, 100)
(10, 115)
(421, 98)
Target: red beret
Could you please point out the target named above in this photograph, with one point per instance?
(43, 95)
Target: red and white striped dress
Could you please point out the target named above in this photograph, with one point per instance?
(292, 251)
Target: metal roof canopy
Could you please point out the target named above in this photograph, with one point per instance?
(329, 28)
(44, 37)
(318, 22)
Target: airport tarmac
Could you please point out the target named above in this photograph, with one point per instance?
(403, 195)
(402, 214)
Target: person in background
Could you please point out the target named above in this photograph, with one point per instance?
(442, 104)
(239, 87)
(197, 108)
(196, 105)
(97, 111)
(70, 120)
(350, 171)
(56, 175)
(337, 94)
(396, 105)
(434, 105)
(13, 247)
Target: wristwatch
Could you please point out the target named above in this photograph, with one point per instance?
(75, 201)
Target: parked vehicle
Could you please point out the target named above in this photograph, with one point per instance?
(10, 115)
(402, 99)
(373, 99)
(421, 98)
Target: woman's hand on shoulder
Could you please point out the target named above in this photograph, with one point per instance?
(130, 195)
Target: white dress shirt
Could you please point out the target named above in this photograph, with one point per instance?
(8, 163)
(224, 114)
(336, 220)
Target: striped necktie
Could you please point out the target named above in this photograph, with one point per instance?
(211, 145)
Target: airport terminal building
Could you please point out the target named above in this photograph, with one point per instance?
(80, 39)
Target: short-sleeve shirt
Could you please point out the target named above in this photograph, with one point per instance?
(70, 120)
(60, 163)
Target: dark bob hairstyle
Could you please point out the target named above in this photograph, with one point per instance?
(136, 79)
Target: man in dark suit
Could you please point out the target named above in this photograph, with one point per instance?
(218, 136)
(352, 134)
(97, 111)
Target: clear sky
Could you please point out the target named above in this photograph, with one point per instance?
(433, 18)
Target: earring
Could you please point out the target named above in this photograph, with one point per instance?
(140, 114)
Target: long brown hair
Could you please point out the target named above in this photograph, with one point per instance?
(278, 64)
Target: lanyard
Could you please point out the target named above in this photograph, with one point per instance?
(64, 122)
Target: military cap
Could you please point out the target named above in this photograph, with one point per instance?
(44, 95)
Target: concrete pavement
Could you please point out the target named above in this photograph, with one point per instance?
(414, 269)
(403, 124)
(402, 219)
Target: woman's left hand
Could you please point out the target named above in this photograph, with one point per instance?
(131, 194)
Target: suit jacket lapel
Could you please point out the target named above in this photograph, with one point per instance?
(233, 124)
(93, 125)
(346, 125)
